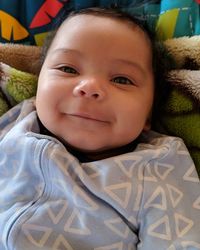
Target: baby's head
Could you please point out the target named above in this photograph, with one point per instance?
(96, 85)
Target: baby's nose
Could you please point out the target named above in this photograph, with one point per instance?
(90, 88)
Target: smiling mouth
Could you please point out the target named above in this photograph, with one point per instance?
(87, 117)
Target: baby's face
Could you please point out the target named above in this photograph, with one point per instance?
(95, 89)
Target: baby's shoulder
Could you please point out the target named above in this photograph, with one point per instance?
(159, 147)
(15, 115)
(155, 140)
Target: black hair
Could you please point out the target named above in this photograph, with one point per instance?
(162, 61)
(114, 13)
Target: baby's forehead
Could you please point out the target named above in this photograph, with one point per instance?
(134, 25)
(120, 29)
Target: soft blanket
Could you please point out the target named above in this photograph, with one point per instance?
(181, 113)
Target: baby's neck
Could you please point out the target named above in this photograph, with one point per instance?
(92, 156)
(95, 156)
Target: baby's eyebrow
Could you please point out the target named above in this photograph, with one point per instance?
(132, 64)
(66, 51)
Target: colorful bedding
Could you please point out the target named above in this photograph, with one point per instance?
(28, 21)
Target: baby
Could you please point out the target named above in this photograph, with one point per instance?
(80, 168)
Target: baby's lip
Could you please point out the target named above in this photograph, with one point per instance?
(87, 116)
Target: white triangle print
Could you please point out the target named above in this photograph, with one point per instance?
(61, 183)
(120, 193)
(188, 175)
(61, 160)
(163, 170)
(77, 169)
(115, 246)
(161, 229)
(157, 199)
(61, 206)
(76, 225)
(148, 174)
(175, 195)
(81, 199)
(196, 204)
(32, 231)
(172, 247)
(133, 220)
(91, 170)
(118, 227)
(188, 244)
(61, 244)
(183, 224)
(128, 163)
(181, 150)
(138, 198)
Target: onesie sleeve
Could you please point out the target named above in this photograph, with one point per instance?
(9, 119)
(14, 115)
(169, 217)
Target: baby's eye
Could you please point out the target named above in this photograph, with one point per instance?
(68, 70)
(122, 80)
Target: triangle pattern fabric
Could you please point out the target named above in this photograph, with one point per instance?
(82, 200)
(138, 198)
(183, 224)
(91, 170)
(61, 243)
(61, 206)
(157, 199)
(161, 229)
(172, 247)
(189, 175)
(128, 163)
(116, 226)
(181, 150)
(163, 170)
(175, 195)
(61, 161)
(115, 246)
(148, 174)
(30, 230)
(196, 204)
(189, 244)
(132, 220)
(76, 225)
(120, 193)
